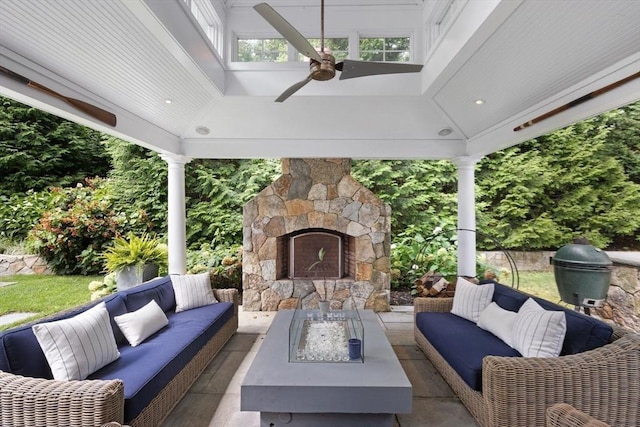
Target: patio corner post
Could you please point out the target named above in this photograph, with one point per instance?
(466, 215)
(177, 216)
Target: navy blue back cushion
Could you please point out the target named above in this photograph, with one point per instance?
(583, 332)
(159, 289)
(116, 307)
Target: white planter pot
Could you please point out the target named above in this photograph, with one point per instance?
(134, 275)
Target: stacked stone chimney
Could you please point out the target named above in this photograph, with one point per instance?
(316, 196)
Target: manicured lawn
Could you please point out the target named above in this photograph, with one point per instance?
(540, 284)
(43, 294)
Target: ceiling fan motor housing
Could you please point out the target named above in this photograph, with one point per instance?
(324, 70)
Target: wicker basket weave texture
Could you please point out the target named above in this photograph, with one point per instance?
(518, 390)
(36, 402)
(565, 415)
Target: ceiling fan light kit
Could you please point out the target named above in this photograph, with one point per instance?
(322, 64)
(325, 69)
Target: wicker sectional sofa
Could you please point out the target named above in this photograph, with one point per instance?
(139, 388)
(599, 378)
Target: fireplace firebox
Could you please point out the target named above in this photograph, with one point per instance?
(315, 254)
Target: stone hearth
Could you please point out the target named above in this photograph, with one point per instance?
(316, 204)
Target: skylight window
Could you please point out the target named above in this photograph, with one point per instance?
(206, 16)
(338, 47)
(263, 50)
(278, 50)
(385, 49)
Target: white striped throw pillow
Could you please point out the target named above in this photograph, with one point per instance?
(192, 290)
(470, 299)
(78, 346)
(538, 332)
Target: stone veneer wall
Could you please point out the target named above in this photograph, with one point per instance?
(23, 264)
(316, 193)
(623, 298)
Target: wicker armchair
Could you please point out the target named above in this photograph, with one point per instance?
(565, 415)
(518, 390)
(37, 402)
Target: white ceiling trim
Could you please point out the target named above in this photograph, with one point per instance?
(427, 149)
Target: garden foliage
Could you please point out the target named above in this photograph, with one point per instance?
(39, 150)
(79, 225)
(543, 193)
(581, 180)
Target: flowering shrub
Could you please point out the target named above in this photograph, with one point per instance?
(102, 289)
(413, 255)
(79, 226)
(225, 265)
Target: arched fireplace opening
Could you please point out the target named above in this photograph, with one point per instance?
(298, 255)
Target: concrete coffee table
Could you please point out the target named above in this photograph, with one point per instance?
(326, 394)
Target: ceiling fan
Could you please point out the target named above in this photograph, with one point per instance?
(322, 64)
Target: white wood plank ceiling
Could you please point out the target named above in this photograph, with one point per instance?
(522, 57)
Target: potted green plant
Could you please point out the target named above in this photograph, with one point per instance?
(135, 260)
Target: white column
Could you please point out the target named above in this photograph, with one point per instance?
(177, 216)
(466, 216)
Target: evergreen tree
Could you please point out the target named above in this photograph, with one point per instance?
(543, 193)
(39, 150)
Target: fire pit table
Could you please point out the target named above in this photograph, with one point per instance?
(368, 393)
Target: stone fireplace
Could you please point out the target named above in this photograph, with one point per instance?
(316, 233)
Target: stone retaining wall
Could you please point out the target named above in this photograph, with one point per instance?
(23, 264)
(525, 261)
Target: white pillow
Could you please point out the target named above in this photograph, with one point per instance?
(192, 290)
(538, 332)
(78, 346)
(139, 325)
(470, 299)
(499, 322)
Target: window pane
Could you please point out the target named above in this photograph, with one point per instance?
(372, 56)
(396, 43)
(367, 44)
(262, 50)
(338, 47)
(390, 49)
(393, 56)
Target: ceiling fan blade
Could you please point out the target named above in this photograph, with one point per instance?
(293, 89)
(287, 31)
(89, 109)
(351, 69)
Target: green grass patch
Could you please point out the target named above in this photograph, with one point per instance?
(541, 284)
(43, 294)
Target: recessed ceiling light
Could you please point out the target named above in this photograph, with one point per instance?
(168, 101)
(445, 131)
(479, 101)
(202, 130)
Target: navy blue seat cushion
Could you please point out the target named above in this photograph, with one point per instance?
(462, 344)
(160, 289)
(148, 368)
(20, 352)
(583, 332)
